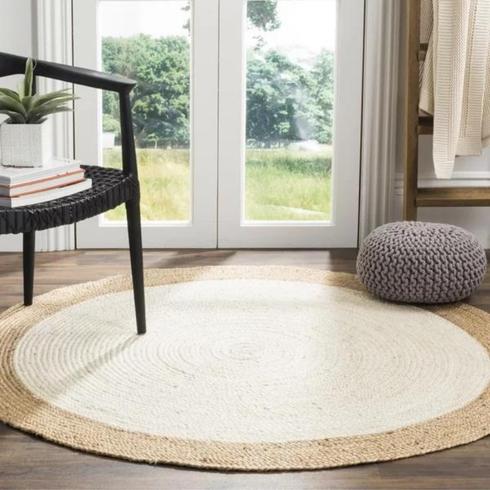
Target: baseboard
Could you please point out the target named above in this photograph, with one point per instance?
(10, 243)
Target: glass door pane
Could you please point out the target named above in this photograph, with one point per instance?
(150, 42)
(290, 49)
(170, 48)
(290, 118)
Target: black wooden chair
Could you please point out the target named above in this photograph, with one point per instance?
(110, 187)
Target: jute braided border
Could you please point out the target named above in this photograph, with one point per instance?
(20, 409)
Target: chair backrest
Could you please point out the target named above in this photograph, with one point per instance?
(11, 64)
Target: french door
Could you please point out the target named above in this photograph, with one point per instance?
(247, 118)
(175, 121)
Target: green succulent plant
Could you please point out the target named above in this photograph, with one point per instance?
(23, 107)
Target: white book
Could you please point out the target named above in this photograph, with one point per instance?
(44, 196)
(16, 175)
(44, 184)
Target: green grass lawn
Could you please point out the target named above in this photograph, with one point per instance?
(281, 184)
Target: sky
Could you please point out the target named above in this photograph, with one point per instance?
(307, 26)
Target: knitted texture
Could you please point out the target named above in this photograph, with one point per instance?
(455, 84)
(415, 262)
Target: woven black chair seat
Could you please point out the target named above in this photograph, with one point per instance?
(110, 188)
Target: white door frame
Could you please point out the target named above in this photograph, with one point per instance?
(342, 231)
(201, 230)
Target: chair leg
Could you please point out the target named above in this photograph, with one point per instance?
(136, 252)
(29, 243)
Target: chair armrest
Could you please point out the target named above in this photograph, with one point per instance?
(12, 64)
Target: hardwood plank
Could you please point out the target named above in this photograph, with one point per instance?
(27, 462)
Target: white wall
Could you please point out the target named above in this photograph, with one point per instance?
(473, 170)
(468, 171)
(476, 220)
(16, 36)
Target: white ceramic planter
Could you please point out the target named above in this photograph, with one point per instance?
(26, 145)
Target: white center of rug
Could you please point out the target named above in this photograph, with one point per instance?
(252, 361)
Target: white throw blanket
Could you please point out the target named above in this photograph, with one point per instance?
(455, 81)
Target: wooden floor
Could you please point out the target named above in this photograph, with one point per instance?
(29, 463)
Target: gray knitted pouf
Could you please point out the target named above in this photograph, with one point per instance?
(415, 262)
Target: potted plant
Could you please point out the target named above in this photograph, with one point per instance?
(25, 136)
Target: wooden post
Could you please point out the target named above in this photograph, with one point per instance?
(411, 110)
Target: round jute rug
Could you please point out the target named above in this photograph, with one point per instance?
(245, 368)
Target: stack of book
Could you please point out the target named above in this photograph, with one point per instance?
(27, 186)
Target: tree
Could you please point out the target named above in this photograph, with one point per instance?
(279, 102)
(263, 15)
(322, 76)
(285, 100)
(160, 101)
